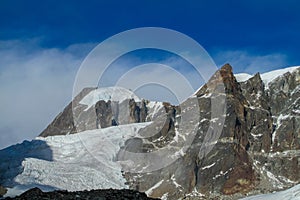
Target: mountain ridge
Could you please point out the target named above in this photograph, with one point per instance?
(256, 152)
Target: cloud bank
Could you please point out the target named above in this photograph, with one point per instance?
(35, 84)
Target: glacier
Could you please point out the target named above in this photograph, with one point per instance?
(81, 161)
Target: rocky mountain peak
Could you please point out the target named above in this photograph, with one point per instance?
(240, 162)
(223, 81)
(229, 80)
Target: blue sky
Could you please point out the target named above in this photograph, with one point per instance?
(42, 44)
(263, 27)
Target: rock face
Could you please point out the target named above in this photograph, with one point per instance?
(227, 168)
(284, 95)
(37, 194)
(112, 113)
(230, 139)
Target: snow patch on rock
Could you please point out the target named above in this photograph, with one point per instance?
(118, 94)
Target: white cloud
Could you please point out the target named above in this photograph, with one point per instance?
(35, 84)
(243, 61)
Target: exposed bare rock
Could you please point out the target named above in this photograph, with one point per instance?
(259, 117)
(284, 95)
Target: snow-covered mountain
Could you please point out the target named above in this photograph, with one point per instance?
(239, 135)
(95, 108)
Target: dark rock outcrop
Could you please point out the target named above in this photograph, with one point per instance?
(37, 194)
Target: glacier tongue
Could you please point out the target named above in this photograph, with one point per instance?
(82, 161)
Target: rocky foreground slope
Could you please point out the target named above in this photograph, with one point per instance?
(235, 137)
(37, 194)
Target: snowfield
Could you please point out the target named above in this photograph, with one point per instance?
(289, 194)
(266, 77)
(109, 93)
(242, 77)
(82, 161)
(270, 76)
